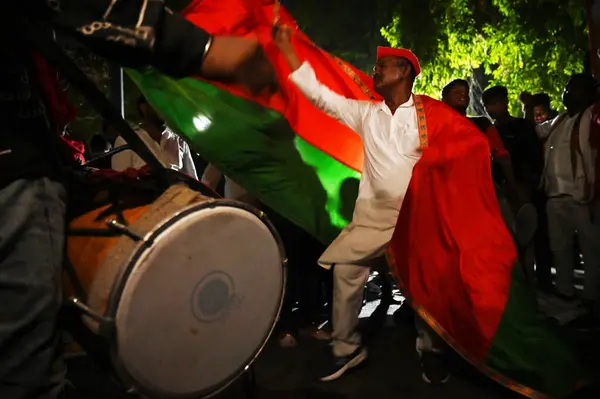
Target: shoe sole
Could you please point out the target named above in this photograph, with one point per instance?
(356, 360)
(427, 380)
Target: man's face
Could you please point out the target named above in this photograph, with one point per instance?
(497, 107)
(389, 71)
(458, 98)
(577, 95)
(541, 114)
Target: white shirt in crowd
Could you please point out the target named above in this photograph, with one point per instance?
(212, 176)
(558, 176)
(391, 142)
(173, 151)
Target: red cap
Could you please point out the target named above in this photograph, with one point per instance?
(400, 52)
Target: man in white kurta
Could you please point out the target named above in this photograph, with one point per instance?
(390, 136)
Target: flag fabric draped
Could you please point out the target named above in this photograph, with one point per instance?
(456, 263)
(306, 166)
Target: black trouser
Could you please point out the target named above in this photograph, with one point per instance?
(308, 284)
(32, 234)
(543, 255)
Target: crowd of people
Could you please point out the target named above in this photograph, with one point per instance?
(549, 160)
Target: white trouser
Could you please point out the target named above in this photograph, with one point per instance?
(348, 289)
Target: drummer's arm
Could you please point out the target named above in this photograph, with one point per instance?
(211, 176)
(136, 33)
(122, 160)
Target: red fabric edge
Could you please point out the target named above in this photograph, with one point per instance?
(253, 18)
(442, 333)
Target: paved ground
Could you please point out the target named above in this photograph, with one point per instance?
(391, 372)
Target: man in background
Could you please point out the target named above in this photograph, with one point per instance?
(569, 180)
(169, 147)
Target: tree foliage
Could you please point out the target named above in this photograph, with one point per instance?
(349, 29)
(525, 45)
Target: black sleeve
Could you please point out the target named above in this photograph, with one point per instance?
(534, 147)
(134, 33)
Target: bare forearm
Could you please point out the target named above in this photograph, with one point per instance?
(291, 57)
(211, 176)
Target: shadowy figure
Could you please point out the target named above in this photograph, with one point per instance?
(348, 194)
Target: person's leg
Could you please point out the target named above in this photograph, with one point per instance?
(32, 223)
(527, 260)
(348, 286)
(431, 348)
(561, 231)
(588, 235)
(505, 209)
(543, 255)
(287, 325)
(309, 288)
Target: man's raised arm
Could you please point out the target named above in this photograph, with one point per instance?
(349, 112)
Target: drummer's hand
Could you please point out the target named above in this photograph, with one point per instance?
(240, 60)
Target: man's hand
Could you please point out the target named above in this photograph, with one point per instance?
(282, 36)
(240, 60)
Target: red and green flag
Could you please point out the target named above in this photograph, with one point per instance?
(287, 153)
(306, 166)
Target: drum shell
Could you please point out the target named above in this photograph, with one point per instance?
(101, 267)
(96, 261)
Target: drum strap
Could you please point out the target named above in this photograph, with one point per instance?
(74, 278)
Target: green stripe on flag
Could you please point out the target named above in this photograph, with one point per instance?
(528, 349)
(257, 148)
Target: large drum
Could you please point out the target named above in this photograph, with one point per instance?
(185, 288)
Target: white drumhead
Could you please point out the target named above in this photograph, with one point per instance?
(200, 302)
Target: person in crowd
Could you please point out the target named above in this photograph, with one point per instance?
(212, 176)
(525, 149)
(169, 147)
(519, 139)
(523, 227)
(540, 107)
(456, 95)
(570, 167)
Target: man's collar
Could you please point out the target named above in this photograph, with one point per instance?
(410, 103)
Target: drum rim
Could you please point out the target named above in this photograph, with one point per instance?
(121, 280)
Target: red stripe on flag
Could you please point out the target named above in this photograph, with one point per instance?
(254, 18)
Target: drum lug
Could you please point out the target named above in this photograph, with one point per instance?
(105, 325)
(121, 228)
(86, 309)
(132, 391)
